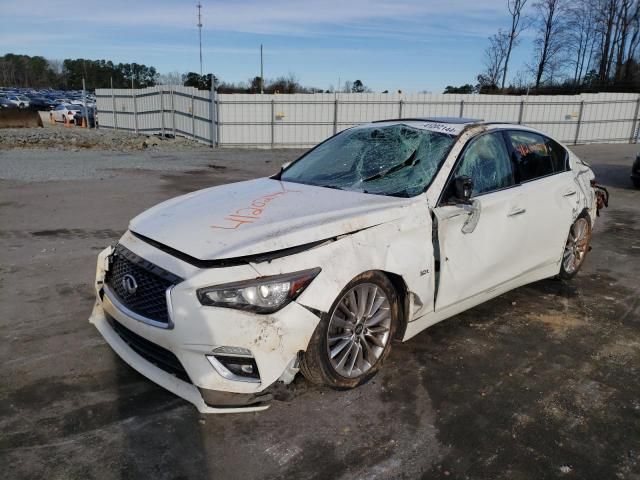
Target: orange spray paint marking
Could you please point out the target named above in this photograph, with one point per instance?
(252, 212)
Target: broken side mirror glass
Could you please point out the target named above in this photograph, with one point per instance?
(463, 188)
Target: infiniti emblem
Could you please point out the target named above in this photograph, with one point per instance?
(129, 284)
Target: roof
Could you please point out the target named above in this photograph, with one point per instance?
(451, 120)
(447, 125)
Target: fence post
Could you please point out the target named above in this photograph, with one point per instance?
(273, 125)
(461, 108)
(162, 110)
(634, 137)
(217, 119)
(520, 115)
(212, 112)
(113, 106)
(575, 140)
(173, 113)
(135, 112)
(400, 108)
(335, 116)
(193, 118)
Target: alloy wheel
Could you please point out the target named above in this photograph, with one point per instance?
(576, 247)
(359, 330)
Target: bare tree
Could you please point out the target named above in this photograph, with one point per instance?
(495, 57)
(171, 78)
(606, 24)
(581, 36)
(549, 41)
(626, 36)
(515, 8)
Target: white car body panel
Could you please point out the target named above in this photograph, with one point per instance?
(261, 215)
(344, 233)
(490, 255)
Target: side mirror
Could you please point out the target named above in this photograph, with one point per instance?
(463, 188)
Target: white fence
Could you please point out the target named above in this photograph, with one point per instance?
(303, 120)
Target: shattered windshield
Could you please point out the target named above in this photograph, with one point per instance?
(395, 160)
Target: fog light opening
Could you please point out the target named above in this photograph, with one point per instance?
(236, 368)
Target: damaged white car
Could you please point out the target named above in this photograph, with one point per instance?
(373, 235)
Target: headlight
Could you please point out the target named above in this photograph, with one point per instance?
(262, 295)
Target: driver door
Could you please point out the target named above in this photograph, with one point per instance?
(481, 245)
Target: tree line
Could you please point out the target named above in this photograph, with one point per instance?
(283, 84)
(579, 45)
(37, 72)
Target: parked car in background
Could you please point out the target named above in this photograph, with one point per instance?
(90, 115)
(41, 103)
(65, 113)
(375, 234)
(6, 104)
(21, 101)
(81, 102)
(635, 172)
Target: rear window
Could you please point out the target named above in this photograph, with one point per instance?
(537, 156)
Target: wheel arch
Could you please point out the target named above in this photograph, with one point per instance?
(402, 291)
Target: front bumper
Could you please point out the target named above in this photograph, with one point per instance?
(273, 340)
(227, 403)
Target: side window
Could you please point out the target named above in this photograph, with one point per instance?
(486, 161)
(535, 156)
(559, 156)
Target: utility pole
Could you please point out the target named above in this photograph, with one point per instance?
(261, 72)
(199, 5)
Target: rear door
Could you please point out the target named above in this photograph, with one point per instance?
(473, 263)
(549, 195)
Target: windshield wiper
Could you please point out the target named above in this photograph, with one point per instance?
(409, 162)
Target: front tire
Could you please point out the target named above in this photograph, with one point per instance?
(576, 248)
(352, 340)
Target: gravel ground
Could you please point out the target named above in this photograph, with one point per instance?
(59, 153)
(539, 383)
(75, 138)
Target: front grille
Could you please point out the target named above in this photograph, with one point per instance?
(155, 354)
(148, 298)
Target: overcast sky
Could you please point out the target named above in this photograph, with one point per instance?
(412, 45)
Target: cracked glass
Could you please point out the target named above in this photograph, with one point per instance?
(394, 160)
(487, 162)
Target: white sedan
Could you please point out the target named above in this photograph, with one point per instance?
(65, 112)
(375, 234)
(19, 101)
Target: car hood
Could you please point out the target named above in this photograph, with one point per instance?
(261, 216)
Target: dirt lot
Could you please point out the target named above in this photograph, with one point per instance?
(542, 382)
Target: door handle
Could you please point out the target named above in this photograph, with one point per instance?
(516, 211)
(569, 193)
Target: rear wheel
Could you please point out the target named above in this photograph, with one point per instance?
(576, 247)
(636, 182)
(353, 339)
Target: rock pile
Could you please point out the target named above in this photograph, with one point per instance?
(98, 139)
